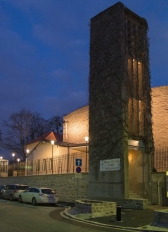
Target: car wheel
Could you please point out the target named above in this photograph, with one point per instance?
(34, 201)
(11, 198)
(20, 199)
(53, 204)
(1, 195)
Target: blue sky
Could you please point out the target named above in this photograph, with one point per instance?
(44, 51)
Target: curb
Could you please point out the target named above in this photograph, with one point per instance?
(147, 228)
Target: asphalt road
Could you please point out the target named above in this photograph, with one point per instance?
(16, 217)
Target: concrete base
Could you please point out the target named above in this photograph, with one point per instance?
(133, 203)
(93, 208)
(160, 218)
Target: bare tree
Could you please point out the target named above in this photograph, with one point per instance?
(24, 127)
(37, 126)
(55, 124)
(17, 132)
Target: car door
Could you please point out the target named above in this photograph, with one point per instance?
(5, 192)
(25, 195)
(34, 193)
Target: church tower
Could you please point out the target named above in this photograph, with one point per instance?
(120, 128)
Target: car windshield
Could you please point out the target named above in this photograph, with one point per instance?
(21, 187)
(48, 191)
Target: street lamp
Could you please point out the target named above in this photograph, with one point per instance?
(1, 160)
(13, 154)
(18, 160)
(27, 152)
(86, 140)
(52, 143)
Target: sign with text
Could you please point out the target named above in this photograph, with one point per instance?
(110, 165)
(78, 175)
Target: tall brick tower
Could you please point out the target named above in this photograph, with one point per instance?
(120, 131)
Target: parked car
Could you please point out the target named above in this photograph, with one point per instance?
(1, 188)
(11, 191)
(37, 195)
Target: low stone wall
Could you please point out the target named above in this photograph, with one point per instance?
(134, 203)
(93, 208)
(67, 186)
(160, 218)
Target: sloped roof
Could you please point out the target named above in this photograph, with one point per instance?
(48, 137)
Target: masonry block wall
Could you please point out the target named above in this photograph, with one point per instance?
(76, 126)
(67, 186)
(160, 126)
(108, 74)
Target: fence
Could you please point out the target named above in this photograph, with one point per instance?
(161, 159)
(57, 165)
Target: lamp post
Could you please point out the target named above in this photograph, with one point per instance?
(27, 152)
(86, 140)
(52, 143)
(1, 163)
(13, 155)
(18, 160)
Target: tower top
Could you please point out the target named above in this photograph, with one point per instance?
(120, 7)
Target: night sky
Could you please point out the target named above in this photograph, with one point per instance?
(44, 51)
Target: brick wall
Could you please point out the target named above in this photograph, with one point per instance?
(160, 126)
(76, 125)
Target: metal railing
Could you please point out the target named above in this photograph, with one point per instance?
(161, 159)
(60, 164)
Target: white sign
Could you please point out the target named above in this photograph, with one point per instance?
(110, 165)
(78, 175)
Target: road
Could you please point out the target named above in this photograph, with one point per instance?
(16, 217)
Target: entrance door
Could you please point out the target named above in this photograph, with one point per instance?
(137, 174)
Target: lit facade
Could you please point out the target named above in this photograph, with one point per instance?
(119, 103)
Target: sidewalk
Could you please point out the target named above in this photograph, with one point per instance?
(138, 220)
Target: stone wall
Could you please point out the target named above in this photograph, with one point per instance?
(158, 189)
(108, 74)
(112, 84)
(76, 125)
(67, 186)
(160, 126)
(92, 209)
(70, 189)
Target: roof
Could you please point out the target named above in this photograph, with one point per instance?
(48, 137)
(66, 144)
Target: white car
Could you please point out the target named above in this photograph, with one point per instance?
(37, 195)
